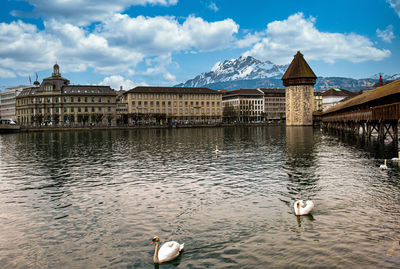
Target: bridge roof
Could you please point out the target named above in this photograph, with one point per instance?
(383, 91)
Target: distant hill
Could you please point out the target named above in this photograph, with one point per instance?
(248, 72)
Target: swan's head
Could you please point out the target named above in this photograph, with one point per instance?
(155, 239)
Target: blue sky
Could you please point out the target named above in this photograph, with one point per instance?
(165, 42)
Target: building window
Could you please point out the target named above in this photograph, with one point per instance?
(72, 99)
(85, 99)
(99, 99)
(79, 99)
(72, 109)
(79, 109)
(92, 109)
(86, 109)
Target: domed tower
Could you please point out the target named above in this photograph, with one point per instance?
(299, 81)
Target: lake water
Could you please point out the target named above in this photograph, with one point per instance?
(95, 199)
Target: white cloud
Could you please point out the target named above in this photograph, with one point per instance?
(249, 40)
(83, 12)
(4, 73)
(115, 82)
(165, 34)
(24, 49)
(395, 4)
(114, 47)
(386, 35)
(169, 77)
(213, 7)
(284, 38)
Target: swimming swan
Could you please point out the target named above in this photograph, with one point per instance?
(396, 159)
(169, 250)
(383, 166)
(303, 209)
(216, 149)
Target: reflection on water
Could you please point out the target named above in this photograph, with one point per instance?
(96, 199)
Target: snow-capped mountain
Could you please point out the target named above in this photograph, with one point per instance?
(243, 68)
(248, 72)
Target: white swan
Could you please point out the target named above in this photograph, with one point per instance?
(383, 166)
(303, 209)
(217, 150)
(169, 250)
(396, 159)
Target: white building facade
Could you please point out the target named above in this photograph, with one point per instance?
(7, 102)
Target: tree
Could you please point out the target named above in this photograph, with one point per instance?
(229, 113)
(56, 118)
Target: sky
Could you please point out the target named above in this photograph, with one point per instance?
(165, 42)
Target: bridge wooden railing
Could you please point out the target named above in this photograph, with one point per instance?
(384, 112)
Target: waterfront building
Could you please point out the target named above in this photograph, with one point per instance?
(318, 101)
(55, 102)
(7, 102)
(245, 105)
(121, 106)
(172, 105)
(332, 97)
(274, 104)
(299, 81)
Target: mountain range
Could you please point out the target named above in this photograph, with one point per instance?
(250, 73)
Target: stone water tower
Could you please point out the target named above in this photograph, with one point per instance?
(299, 81)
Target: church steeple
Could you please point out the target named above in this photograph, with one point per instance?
(56, 71)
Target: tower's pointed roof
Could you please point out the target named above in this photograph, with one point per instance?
(299, 71)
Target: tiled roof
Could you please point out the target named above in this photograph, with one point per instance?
(72, 90)
(88, 90)
(28, 91)
(298, 68)
(273, 90)
(338, 92)
(244, 92)
(177, 90)
(384, 91)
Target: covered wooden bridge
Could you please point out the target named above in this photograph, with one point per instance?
(374, 112)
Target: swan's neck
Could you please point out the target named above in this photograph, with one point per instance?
(155, 259)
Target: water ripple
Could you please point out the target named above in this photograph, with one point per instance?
(95, 199)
